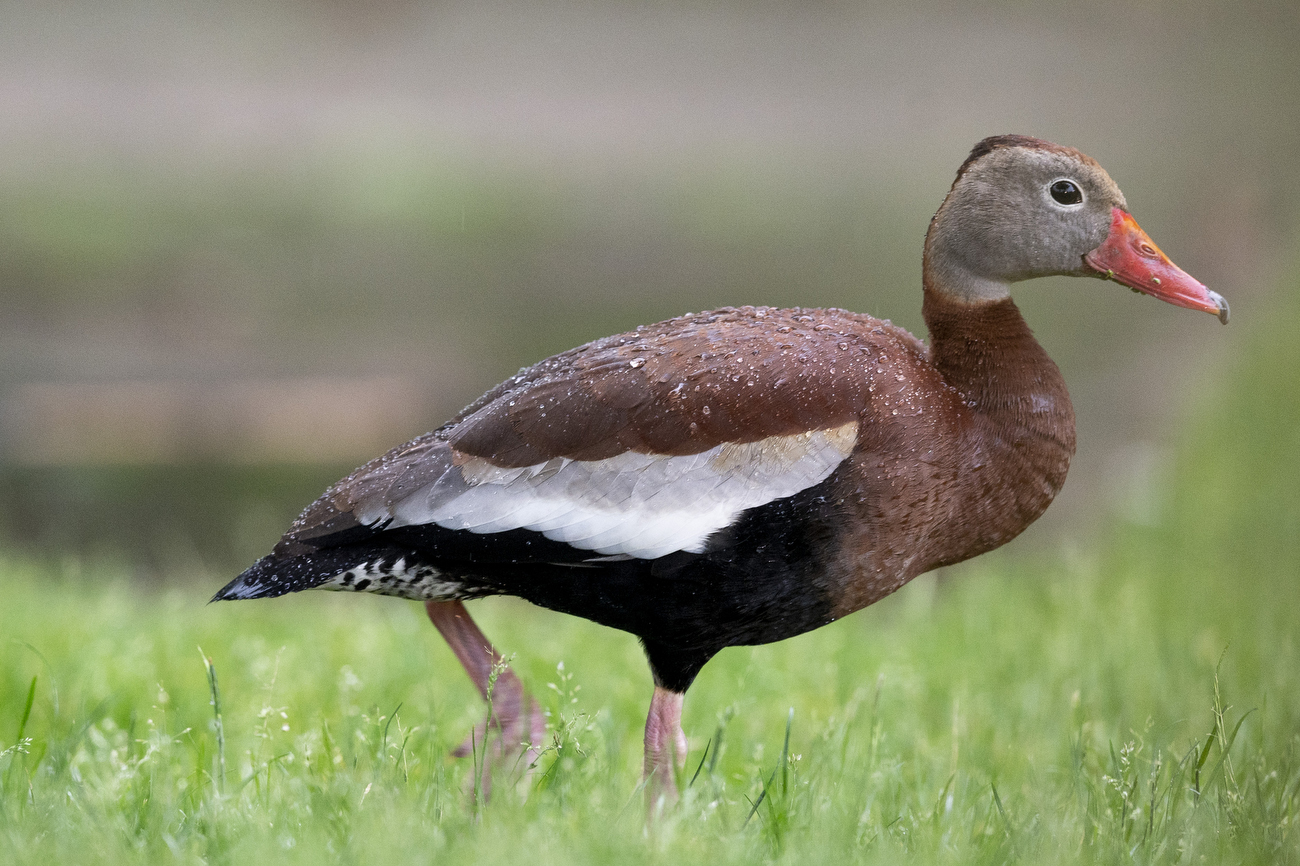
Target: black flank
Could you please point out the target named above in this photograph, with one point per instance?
(759, 581)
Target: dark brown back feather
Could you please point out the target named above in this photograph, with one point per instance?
(684, 386)
(677, 387)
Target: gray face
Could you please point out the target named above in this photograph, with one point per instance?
(1018, 213)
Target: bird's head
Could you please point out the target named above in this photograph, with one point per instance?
(1022, 208)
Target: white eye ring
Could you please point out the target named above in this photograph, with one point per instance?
(1065, 192)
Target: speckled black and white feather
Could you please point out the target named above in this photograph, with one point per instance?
(348, 569)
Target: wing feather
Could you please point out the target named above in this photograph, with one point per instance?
(640, 444)
(642, 505)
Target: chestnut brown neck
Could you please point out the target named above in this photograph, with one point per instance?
(1023, 422)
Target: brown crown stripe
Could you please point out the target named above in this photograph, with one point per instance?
(993, 142)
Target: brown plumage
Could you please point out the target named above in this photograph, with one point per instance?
(744, 475)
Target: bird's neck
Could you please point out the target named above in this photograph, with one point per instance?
(986, 351)
(1022, 419)
(959, 262)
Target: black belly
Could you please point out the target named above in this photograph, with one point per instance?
(762, 579)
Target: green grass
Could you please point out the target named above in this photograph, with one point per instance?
(1132, 703)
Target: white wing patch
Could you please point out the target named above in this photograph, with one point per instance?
(632, 504)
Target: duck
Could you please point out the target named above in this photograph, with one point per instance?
(744, 475)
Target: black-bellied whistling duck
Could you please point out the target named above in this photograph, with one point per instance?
(745, 475)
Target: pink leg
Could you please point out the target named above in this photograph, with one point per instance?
(511, 712)
(665, 747)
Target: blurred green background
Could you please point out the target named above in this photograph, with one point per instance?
(247, 246)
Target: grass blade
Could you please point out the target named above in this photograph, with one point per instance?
(717, 749)
(785, 755)
(939, 801)
(1200, 762)
(762, 795)
(701, 764)
(27, 711)
(19, 746)
(215, 692)
(997, 801)
(1227, 745)
(383, 739)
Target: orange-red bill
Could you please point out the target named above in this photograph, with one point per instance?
(1128, 256)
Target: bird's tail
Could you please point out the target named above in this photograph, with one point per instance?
(273, 575)
(376, 568)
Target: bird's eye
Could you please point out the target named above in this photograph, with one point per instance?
(1065, 192)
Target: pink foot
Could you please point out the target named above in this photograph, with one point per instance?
(665, 748)
(514, 725)
(509, 725)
